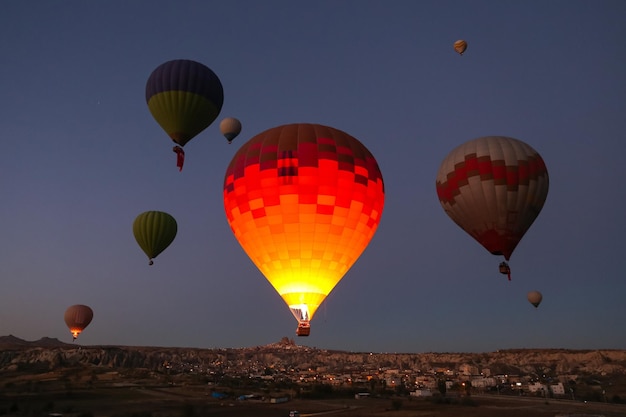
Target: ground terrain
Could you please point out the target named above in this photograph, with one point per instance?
(191, 402)
(48, 378)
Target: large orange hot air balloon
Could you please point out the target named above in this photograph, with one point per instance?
(493, 187)
(303, 200)
(77, 317)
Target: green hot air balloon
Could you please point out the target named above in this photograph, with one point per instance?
(154, 232)
(184, 97)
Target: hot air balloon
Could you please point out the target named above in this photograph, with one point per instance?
(230, 128)
(303, 200)
(77, 317)
(184, 97)
(534, 298)
(493, 187)
(154, 232)
(460, 46)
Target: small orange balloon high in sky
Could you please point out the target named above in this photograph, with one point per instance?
(77, 317)
(460, 46)
(303, 200)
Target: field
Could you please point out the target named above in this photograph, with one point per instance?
(85, 393)
(129, 401)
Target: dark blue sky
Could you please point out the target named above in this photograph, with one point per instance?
(83, 157)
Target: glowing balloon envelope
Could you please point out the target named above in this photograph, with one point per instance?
(154, 231)
(534, 298)
(460, 46)
(77, 318)
(303, 200)
(493, 187)
(184, 97)
(230, 128)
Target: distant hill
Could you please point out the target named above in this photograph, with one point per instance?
(12, 341)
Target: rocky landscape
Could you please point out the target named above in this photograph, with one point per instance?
(48, 354)
(47, 377)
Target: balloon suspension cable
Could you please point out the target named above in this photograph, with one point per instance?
(180, 157)
(505, 269)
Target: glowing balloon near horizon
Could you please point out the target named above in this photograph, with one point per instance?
(77, 318)
(303, 200)
(493, 187)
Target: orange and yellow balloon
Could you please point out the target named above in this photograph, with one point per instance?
(77, 318)
(303, 200)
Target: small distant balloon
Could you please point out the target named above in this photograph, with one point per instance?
(534, 298)
(460, 46)
(154, 231)
(230, 128)
(77, 318)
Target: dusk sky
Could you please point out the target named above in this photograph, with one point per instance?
(83, 157)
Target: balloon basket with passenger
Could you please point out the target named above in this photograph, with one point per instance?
(505, 269)
(304, 328)
(302, 313)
